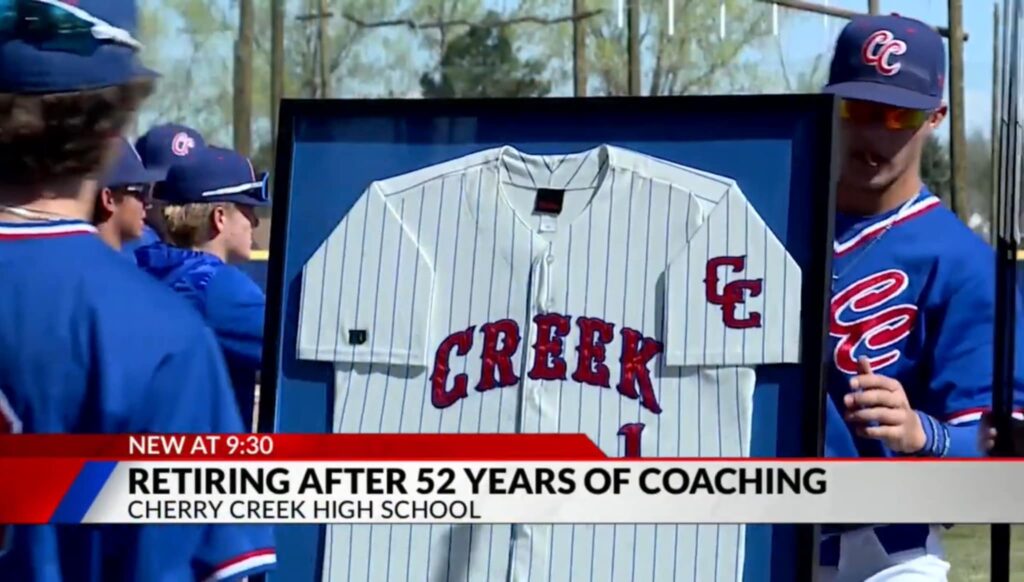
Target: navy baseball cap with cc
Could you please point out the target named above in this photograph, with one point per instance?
(53, 46)
(891, 60)
(168, 144)
(129, 171)
(212, 175)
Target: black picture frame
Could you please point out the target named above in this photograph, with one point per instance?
(301, 551)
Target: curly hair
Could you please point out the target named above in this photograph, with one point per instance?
(45, 138)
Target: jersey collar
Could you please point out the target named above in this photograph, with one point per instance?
(37, 230)
(863, 230)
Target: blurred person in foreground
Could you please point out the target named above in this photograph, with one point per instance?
(913, 298)
(161, 147)
(121, 205)
(209, 207)
(88, 344)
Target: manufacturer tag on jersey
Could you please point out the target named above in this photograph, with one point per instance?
(549, 201)
(356, 337)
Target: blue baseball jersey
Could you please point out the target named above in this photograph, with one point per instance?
(231, 304)
(914, 292)
(88, 344)
(149, 236)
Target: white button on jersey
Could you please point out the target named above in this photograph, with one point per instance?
(635, 313)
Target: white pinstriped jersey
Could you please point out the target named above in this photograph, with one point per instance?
(634, 314)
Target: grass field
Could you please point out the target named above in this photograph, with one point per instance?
(968, 550)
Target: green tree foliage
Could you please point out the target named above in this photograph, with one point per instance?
(979, 173)
(190, 43)
(936, 169)
(378, 48)
(692, 57)
(482, 62)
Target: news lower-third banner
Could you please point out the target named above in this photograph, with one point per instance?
(472, 479)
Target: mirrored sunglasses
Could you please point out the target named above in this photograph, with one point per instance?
(894, 118)
(59, 26)
(142, 192)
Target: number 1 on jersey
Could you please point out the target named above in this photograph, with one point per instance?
(630, 434)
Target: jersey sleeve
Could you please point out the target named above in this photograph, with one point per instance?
(360, 301)
(191, 393)
(235, 311)
(733, 292)
(961, 358)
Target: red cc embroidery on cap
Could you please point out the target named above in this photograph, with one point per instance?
(878, 50)
(181, 144)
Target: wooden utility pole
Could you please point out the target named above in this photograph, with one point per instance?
(633, 20)
(579, 49)
(957, 129)
(322, 49)
(276, 61)
(242, 106)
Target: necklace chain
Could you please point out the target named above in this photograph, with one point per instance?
(836, 276)
(33, 214)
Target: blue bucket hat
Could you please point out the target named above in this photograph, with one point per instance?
(892, 60)
(56, 46)
(168, 144)
(129, 170)
(214, 174)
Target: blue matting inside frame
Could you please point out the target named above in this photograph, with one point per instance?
(778, 148)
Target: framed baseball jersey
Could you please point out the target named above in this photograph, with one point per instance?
(651, 273)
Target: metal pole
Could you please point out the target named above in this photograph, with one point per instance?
(1006, 241)
(873, 7)
(994, 130)
(958, 131)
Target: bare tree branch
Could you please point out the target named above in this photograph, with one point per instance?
(443, 24)
(748, 34)
(782, 63)
(658, 73)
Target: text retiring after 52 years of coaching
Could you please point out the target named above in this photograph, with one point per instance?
(263, 490)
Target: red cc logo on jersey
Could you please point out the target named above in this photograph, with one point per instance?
(878, 50)
(733, 293)
(866, 322)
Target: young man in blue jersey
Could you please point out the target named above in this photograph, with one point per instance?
(209, 213)
(120, 209)
(88, 344)
(913, 292)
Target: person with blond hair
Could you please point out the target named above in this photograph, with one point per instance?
(208, 206)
